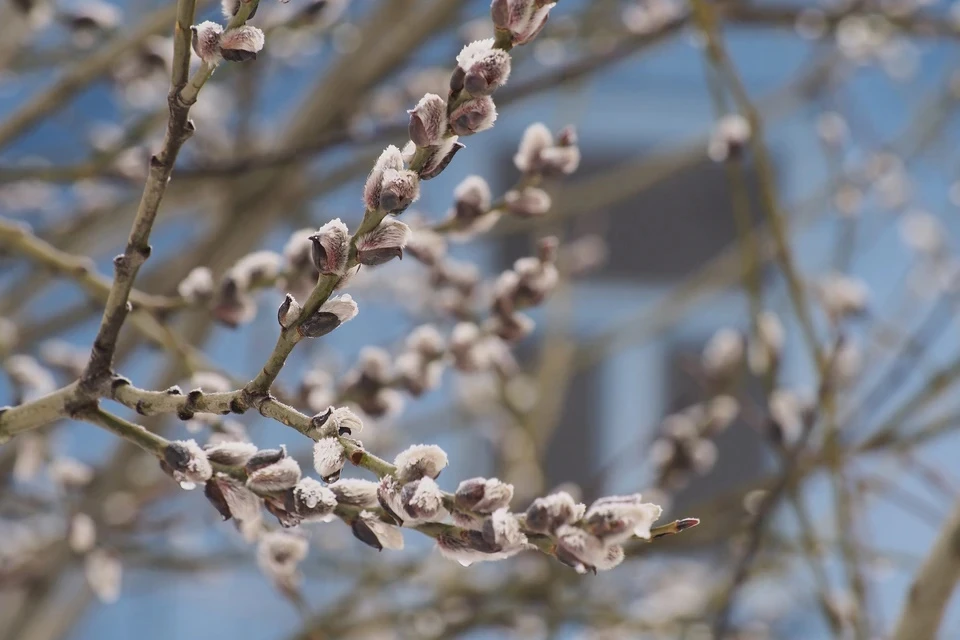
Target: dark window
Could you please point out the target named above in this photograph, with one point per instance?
(660, 234)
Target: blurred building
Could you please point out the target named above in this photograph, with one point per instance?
(655, 238)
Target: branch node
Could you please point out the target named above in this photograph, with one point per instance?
(189, 408)
(260, 399)
(236, 406)
(79, 407)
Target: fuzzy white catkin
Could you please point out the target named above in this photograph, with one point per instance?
(420, 460)
(329, 457)
(83, 533)
(341, 306)
(279, 476)
(279, 553)
(104, 573)
(356, 492)
(389, 536)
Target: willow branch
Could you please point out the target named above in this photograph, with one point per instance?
(183, 95)
(155, 444)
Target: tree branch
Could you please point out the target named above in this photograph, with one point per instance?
(14, 420)
(183, 94)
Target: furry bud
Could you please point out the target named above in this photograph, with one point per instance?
(617, 518)
(206, 41)
(278, 555)
(427, 246)
(390, 160)
(548, 514)
(426, 340)
(843, 296)
(233, 500)
(729, 137)
(722, 356)
(522, 19)
(288, 312)
(400, 189)
(472, 199)
(280, 476)
(313, 502)
(474, 115)
(328, 458)
(561, 159)
(440, 156)
(483, 495)
(233, 307)
(187, 462)
(418, 461)
(354, 492)
(241, 44)
(422, 499)
(265, 458)
(764, 347)
(502, 529)
(373, 532)
(230, 8)
(331, 315)
(340, 421)
(484, 68)
(231, 454)
(331, 247)
(539, 154)
(428, 121)
(197, 286)
(528, 203)
(384, 243)
(535, 139)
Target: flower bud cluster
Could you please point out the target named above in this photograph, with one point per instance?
(212, 44)
(526, 285)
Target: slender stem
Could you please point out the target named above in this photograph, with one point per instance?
(286, 341)
(129, 431)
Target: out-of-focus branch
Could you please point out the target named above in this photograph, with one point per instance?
(788, 17)
(79, 76)
(707, 21)
(932, 586)
(18, 238)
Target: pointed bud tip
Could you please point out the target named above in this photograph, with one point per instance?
(687, 523)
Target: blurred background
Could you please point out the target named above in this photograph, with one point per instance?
(669, 234)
